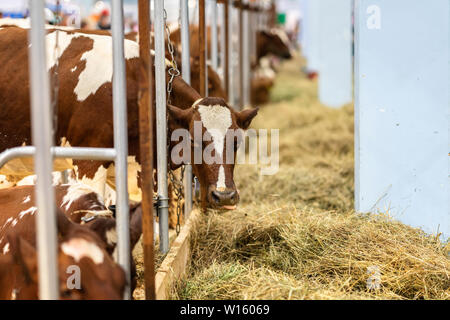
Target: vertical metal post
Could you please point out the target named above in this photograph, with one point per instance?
(43, 164)
(214, 49)
(241, 55)
(222, 43)
(146, 147)
(202, 44)
(186, 74)
(253, 36)
(246, 58)
(120, 139)
(161, 125)
(226, 71)
(231, 62)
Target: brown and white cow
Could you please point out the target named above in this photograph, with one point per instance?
(101, 277)
(84, 110)
(215, 88)
(217, 119)
(80, 204)
(271, 41)
(274, 41)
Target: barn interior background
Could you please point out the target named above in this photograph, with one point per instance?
(360, 206)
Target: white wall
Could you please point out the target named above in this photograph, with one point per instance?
(402, 111)
(335, 53)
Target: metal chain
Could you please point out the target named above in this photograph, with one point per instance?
(173, 69)
(178, 188)
(173, 72)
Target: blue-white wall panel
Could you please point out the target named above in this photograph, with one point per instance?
(335, 55)
(311, 33)
(402, 114)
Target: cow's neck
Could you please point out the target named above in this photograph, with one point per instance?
(183, 95)
(262, 46)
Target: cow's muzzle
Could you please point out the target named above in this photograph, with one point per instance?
(223, 199)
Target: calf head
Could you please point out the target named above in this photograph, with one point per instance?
(274, 41)
(80, 253)
(105, 228)
(212, 134)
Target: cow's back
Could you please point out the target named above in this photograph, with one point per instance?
(14, 87)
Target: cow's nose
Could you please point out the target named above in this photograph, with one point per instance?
(224, 197)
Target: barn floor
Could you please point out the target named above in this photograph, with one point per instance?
(295, 235)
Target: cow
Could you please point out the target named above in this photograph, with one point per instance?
(271, 41)
(80, 205)
(215, 88)
(84, 113)
(262, 81)
(275, 42)
(260, 90)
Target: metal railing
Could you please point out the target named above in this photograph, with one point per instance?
(186, 74)
(43, 151)
(161, 126)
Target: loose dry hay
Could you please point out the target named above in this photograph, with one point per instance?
(285, 253)
(295, 235)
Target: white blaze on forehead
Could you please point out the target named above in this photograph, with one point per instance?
(221, 179)
(217, 120)
(26, 199)
(282, 35)
(79, 248)
(98, 69)
(74, 192)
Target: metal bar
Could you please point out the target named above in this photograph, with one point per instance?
(253, 37)
(121, 139)
(185, 42)
(146, 147)
(161, 125)
(222, 42)
(226, 70)
(232, 23)
(77, 153)
(241, 57)
(202, 44)
(186, 74)
(246, 59)
(214, 49)
(42, 138)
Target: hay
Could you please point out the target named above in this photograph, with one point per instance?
(295, 235)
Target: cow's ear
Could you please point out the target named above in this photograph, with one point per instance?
(244, 118)
(24, 256)
(179, 117)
